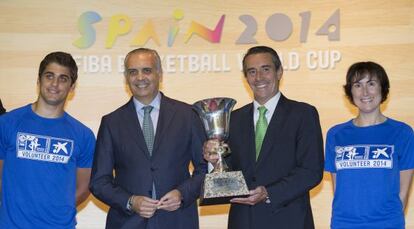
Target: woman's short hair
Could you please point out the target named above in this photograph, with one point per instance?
(360, 70)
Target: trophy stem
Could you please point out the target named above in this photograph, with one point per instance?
(221, 165)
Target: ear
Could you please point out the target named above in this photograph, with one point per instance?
(72, 87)
(279, 73)
(160, 76)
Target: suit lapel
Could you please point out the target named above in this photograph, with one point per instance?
(133, 128)
(167, 112)
(273, 129)
(249, 136)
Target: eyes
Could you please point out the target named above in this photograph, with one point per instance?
(50, 76)
(135, 72)
(252, 72)
(370, 84)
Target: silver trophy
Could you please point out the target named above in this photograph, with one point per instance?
(221, 184)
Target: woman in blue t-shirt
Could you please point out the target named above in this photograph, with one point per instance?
(370, 158)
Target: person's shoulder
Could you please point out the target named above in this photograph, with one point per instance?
(77, 125)
(175, 102)
(173, 105)
(297, 109)
(119, 111)
(339, 127)
(242, 110)
(16, 113)
(297, 105)
(20, 110)
(399, 124)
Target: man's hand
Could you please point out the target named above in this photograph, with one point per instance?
(144, 206)
(210, 151)
(255, 196)
(170, 201)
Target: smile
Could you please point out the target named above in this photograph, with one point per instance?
(142, 85)
(366, 100)
(259, 86)
(53, 91)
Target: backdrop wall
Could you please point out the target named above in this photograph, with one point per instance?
(202, 43)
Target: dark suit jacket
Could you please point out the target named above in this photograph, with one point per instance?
(121, 147)
(289, 165)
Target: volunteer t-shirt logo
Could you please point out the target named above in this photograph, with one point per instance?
(364, 156)
(44, 148)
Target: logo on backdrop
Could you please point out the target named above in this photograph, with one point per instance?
(278, 27)
(44, 148)
(364, 156)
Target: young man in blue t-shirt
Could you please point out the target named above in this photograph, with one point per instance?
(46, 154)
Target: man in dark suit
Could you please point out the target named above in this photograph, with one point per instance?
(277, 144)
(149, 143)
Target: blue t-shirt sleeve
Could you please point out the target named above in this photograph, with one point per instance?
(406, 155)
(330, 153)
(87, 148)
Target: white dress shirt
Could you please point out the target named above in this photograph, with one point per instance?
(155, 113)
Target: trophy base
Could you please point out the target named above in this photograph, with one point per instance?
(219, 188)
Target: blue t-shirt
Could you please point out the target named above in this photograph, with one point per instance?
(40, 160)
(367, 162)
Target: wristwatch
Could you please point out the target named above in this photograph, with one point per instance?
(267, 200)
(129, 203)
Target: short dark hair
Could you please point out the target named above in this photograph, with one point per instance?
(359, 71)
(144, 50)
(262, 49)
(61, 58)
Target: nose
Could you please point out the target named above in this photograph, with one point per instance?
(259, 75)
(140, 75)
(55, 81)
(365, 90)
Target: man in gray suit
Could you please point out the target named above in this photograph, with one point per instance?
(143, 152)
(277, 144)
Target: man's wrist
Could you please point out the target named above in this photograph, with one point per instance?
(130, 204)
(267, 200)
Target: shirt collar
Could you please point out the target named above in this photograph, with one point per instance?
(270, 104)
(155, 103)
